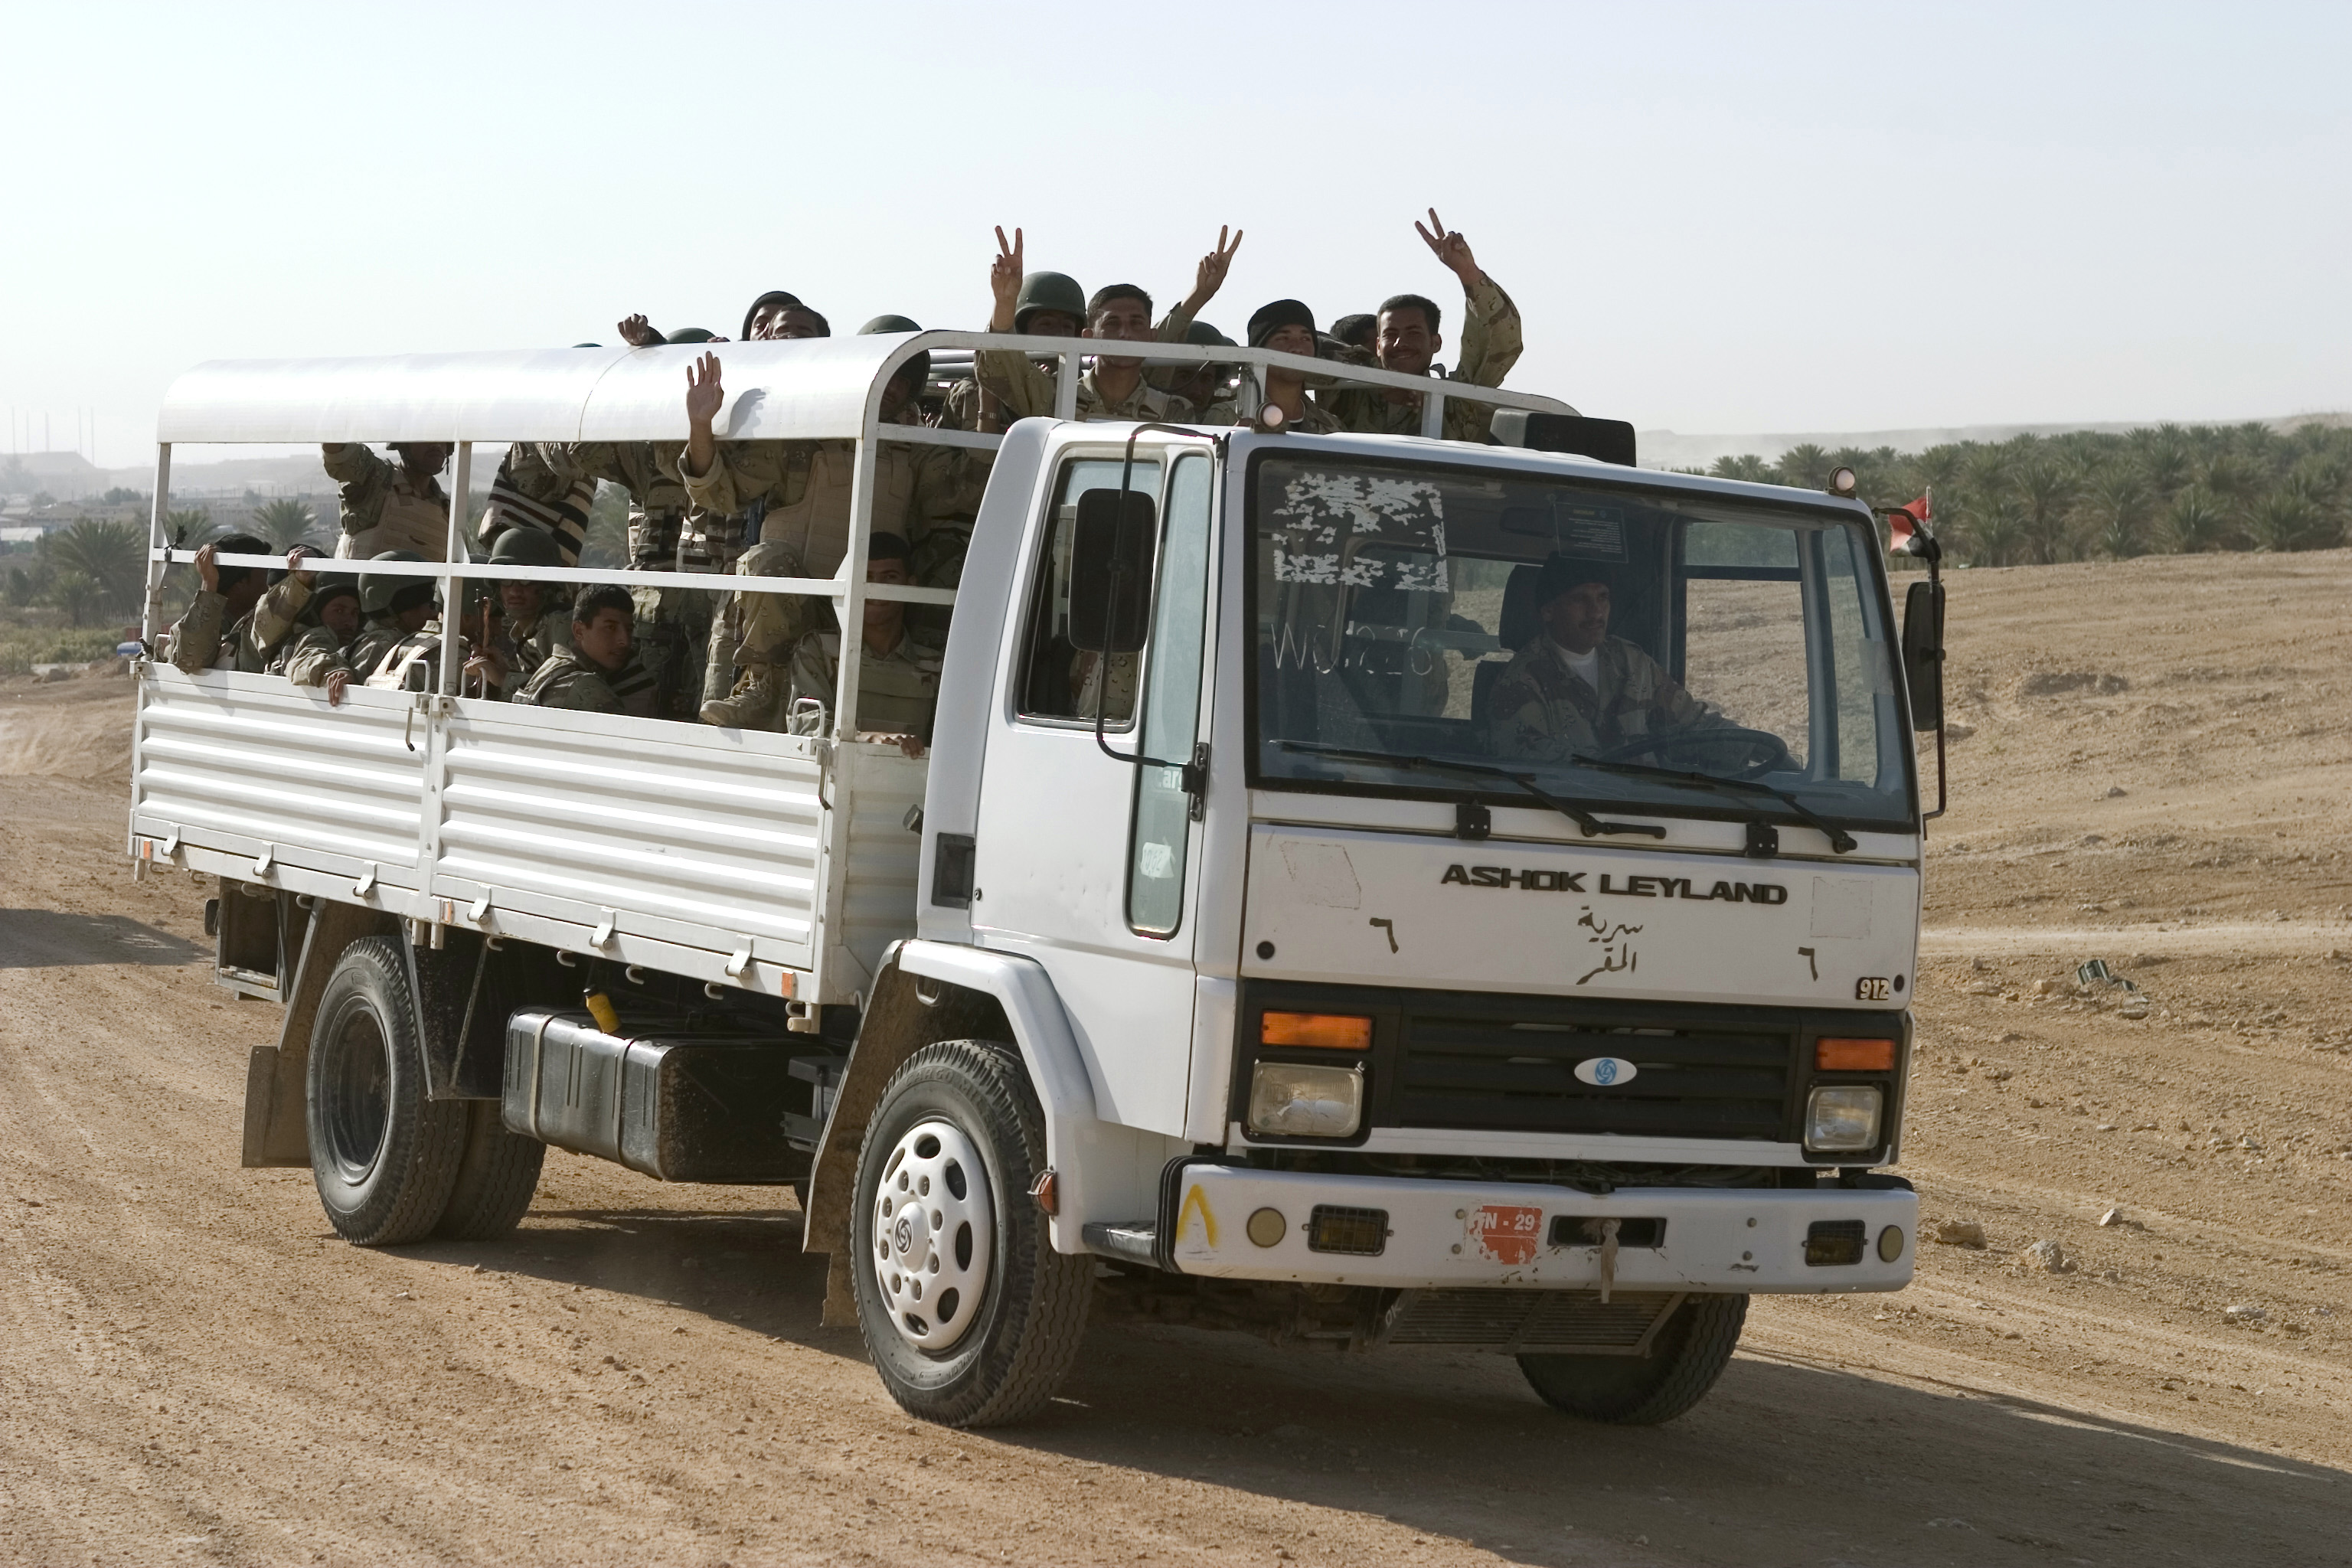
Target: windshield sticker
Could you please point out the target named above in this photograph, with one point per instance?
(1592, 532)
(1326, 521)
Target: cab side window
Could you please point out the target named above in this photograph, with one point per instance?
(1058, 683)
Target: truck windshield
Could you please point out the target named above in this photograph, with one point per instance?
(1596, 639)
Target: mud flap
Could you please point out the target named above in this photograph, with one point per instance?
(275, 1075)
(840, 1292)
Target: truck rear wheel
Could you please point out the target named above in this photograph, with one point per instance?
(497, 1175)
(972, 1318)
(383, 1156)
(1690, 1353)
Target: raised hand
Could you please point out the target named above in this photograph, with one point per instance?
(336, 679)
(294, 558)
(1005, 275)
(703, 396)
(1450, 248)
(638, 332)
(208, 568)
(1210, 276)
(703, 393)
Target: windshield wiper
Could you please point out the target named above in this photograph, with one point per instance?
(1840, 839)
(1592, 826)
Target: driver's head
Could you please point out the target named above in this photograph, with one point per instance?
(1572, 600)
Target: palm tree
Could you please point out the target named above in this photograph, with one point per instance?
(2283, 520)
(2195, 521)
(2116, 509)
(78, 595)
(108, 554)
(1748, 466)
(286, 522)
(1807, 466)
(1993, 533)
(2045, 493)
(194, 523)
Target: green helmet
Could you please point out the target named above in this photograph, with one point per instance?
(690, 335)
(377, 589)
(1201, 336)
(1048, 291)
(521, 545)
(889, 324)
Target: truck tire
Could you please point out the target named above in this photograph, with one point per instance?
(497, 1175)
(1689, 1353)
(384, 1157)
(972, 1318)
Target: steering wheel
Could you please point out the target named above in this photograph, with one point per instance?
(1758, 751)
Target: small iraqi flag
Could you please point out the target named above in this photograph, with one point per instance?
(1904, 524)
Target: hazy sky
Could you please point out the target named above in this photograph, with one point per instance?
(1714, 217)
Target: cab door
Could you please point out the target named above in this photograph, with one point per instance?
(1085, 860)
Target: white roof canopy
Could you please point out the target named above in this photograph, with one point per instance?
(807, 388)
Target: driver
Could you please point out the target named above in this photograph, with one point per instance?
(1576, 691)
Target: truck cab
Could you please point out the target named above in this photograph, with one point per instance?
(1372, 891)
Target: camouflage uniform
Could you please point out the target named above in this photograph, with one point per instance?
(897, 692)
(200, 642)
(1314, 419)
(523, 646)
(567, 680)
(800, 491)
(1543, 710)
(414, 662)
(383, 508)
(1491, 345)
(377, 638)
(1024, 389)
(531, 491)
(310, 659)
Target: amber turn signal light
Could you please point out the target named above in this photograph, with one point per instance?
(1833, 1055)
(1333, 1031)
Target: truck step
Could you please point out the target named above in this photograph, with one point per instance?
(1136, 1240)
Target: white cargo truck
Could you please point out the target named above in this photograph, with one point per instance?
(1268, 939)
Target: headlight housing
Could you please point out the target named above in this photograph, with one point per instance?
(1843, 1117)
(1295, 1099)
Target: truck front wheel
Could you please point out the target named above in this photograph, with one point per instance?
(1690, 1353)
(971, 1317)
(384, 1157)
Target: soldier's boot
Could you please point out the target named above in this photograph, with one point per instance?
(758, 703)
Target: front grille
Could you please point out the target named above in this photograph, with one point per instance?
(1474, 1071)
(1572, 1320)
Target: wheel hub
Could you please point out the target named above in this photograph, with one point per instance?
(934, 1233)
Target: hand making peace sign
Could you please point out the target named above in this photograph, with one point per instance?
(1449, 247)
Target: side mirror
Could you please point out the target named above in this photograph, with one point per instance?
(1923, 653)
(1110, 570)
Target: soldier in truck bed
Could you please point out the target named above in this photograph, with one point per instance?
(799, 490)
(317, 655)
(390, 506)
(1575, 690)
(897, 676)
(392, 607)
(1406, 340)
(579, 677)
(239, 617)
(1050, 304)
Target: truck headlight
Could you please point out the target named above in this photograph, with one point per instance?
(1291, 1101)
(1843, 1117)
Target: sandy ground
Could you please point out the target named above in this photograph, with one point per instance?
(192, 1369)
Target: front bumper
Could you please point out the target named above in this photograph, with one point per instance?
(1443, 1235)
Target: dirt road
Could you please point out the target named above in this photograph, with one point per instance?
(192, 1369)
